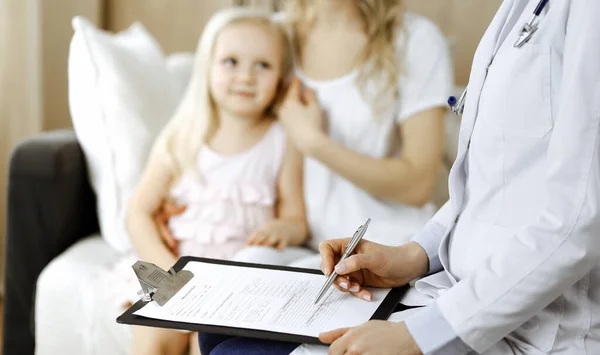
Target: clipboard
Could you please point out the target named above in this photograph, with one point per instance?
(386, 308)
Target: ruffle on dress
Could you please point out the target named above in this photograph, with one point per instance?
(220, 213)
(190, 190)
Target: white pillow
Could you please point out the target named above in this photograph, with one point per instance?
(121, 94)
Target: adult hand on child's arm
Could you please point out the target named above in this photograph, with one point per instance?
(148, 197)
(161, 217)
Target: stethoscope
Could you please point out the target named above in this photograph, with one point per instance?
(527, 30)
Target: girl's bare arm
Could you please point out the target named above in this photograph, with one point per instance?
(290, 202)
(152, 189)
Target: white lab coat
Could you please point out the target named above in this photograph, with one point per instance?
(524, 254)
(520, 236)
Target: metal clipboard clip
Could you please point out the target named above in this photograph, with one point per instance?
(157, 284)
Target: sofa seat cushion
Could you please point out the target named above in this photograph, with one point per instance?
(74, 312)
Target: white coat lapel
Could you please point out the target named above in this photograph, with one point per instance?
(482, 58)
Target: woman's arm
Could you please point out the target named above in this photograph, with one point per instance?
(289, 227)
(148, 196)
(409, 178)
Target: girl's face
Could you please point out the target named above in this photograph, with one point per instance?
(246, 67)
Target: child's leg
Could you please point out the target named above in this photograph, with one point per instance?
(194, 347)
(158, 341)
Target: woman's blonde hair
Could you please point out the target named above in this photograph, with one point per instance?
(381, 59)
(196, 117)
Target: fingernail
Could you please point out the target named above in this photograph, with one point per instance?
(340, 268)
(354, 289)
(344, 285)
(367, 297)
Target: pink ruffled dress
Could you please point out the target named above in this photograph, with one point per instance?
(229, 198)
(235, 196)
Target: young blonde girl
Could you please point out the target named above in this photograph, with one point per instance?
(224, 157)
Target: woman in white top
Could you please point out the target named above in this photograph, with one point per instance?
(370, 123)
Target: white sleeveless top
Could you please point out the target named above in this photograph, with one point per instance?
(230, 198)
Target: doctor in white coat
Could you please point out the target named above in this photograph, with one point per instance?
(519, 239)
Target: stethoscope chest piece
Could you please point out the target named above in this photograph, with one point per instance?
(525, 34)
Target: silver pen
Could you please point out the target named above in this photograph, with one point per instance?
(360, 232)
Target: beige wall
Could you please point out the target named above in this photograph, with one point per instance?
(34, 39)
(20, 87)
(55, 36)
(463, 22)
(175, 24)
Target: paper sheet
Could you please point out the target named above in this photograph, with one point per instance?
(261, 299)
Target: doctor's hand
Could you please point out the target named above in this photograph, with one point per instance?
(302, 118)
(374, 337)
(161, 217)
(372, 265)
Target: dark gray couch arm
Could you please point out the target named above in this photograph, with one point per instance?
(50, 207)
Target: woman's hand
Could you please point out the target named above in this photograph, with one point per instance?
(276, 234)
(373, 337)
(161, 217)
(302, 117)
(373, 265)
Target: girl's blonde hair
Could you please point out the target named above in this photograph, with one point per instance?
(196, 117)
(381, 59)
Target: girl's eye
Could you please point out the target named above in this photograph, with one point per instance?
(230, 62)
(264, 65)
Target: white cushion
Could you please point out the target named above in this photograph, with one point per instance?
(73, 310)
(122, 91)
(180, 66)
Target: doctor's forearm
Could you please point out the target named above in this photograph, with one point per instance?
(391, 179)
(429, 239)
(432, 333)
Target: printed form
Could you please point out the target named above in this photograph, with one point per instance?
(262, 299)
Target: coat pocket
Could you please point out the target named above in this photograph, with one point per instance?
(519, 83)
